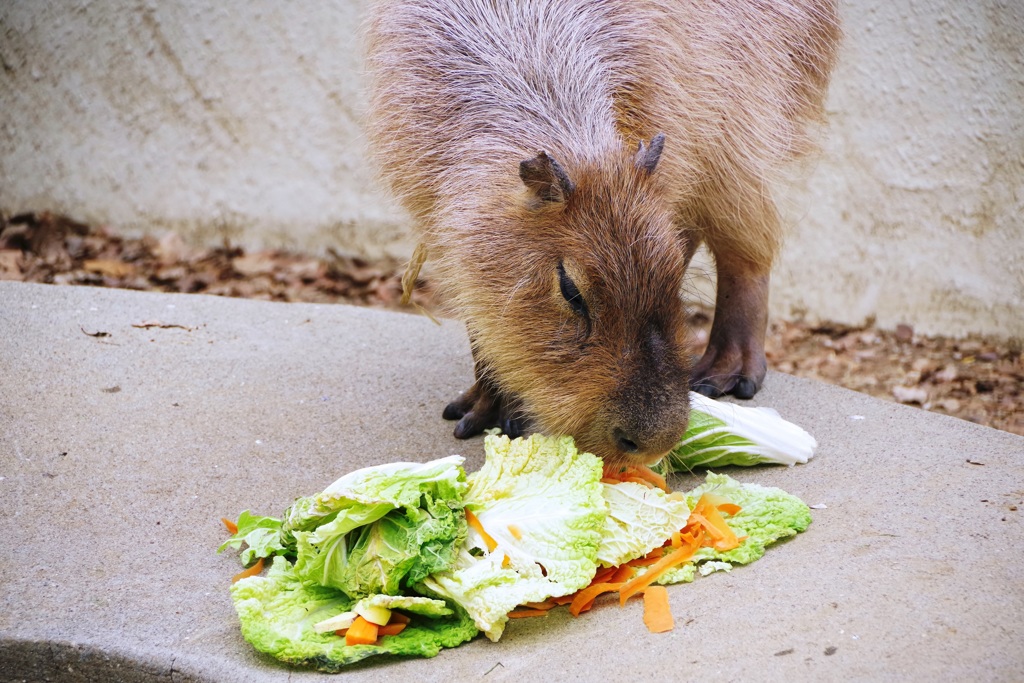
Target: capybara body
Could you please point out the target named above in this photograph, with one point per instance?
(564, 159)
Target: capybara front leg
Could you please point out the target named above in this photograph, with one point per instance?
(734, 362)
(484, 406)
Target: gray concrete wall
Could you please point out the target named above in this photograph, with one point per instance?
(242, 120)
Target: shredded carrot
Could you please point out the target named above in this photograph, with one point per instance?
(361, 632)
(613, 472)
(516, 532)
(648, 559)
(547, 604)
(251, 571)
(563, 599)
(622, 574)
(706, 513)
(390, 629)
(676, 557)
(649, 475)
(729, 508)
(692, 535)
(677, 539)
(585, 598)
(398, 618)
(633, 472)
(657, 613)
(713, 533)
(603, 574)
(231, 526)
(474, 522)
(610, 480)
(522, 613)
(505, 562)
(720, 502)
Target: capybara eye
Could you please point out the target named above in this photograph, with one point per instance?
(572, 293)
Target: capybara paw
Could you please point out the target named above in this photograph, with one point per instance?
(730, 372)
(482, 407)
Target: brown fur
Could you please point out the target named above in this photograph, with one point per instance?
(465, 90)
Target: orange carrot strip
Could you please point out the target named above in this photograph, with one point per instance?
(341, 632)
(712, 499)
(614, 472)
(398, 618)
(647, 560)
(632, 472)
(547, 604)
(713, 522)
(516, 532)
(677, 539)
(721, 502)
(563, 599)
(390, 629)
(603, 574)
(522, 613)
(623, 573)
(610, 480)
(638, 480)
(361, 632)
(657, 613)
(585, 598)
(504, 562)
(251, 571)
(676, 557)
(649, 475)
(231, 526)
(713, 532)
(474, 522)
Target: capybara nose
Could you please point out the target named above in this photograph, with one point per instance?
(624, 441)
(647, 445)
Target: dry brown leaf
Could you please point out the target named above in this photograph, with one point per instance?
(109, 267)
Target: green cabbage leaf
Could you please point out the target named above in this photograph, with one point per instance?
(541, 502)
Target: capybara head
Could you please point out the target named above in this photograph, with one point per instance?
(576, 309)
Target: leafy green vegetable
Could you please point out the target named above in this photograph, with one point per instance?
(397, 550)
(639, 520)
(415, 604)
(722, 434)
(396, 537)
(277, 613)
(768, 515)
(375, 530)
(367, 494)
(261, 535)
(551, 495)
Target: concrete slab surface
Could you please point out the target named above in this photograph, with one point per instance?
(122, 446)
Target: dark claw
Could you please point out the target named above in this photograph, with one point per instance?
(469, 426)
(512, 427)
(483, 407)
(745, 388)
(707, 389)
(454, 411)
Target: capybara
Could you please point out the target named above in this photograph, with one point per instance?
(564, 159)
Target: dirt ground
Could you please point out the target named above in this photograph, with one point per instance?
(975, 379)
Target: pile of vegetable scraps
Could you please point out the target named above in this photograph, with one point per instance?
(409, 558)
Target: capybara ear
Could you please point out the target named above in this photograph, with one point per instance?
(546, 178)
(647, 155)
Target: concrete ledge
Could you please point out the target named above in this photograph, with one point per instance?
(119, 454)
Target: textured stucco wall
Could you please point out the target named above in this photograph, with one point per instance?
(915, 211)
(237, 119)
(243, 120)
